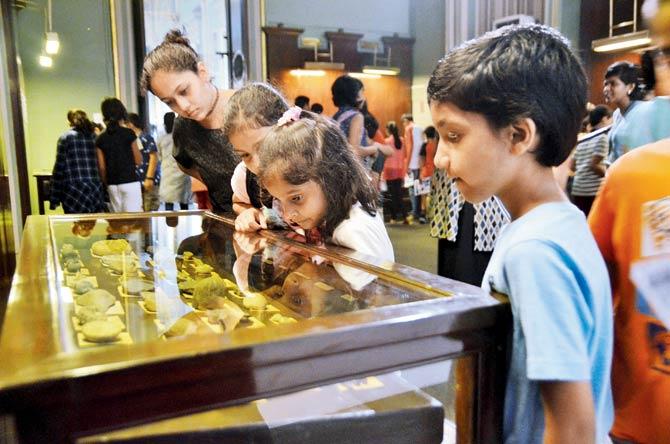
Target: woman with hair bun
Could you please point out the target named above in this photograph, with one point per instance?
(174, 73)
(75, 183)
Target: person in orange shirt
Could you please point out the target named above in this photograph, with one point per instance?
(427, 156)
(412, 139)
(641, 362)
(630, 222)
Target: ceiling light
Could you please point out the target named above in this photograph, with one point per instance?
(52, 43)
(362, 75)
(307, 72)
(381, 70)
(621, 42)
(46, 61)
(325, 65)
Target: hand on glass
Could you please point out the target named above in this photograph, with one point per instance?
(251, 219)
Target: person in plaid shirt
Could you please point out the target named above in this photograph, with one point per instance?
(76, 184)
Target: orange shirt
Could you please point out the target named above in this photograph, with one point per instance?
(641, 362)
(429, 164)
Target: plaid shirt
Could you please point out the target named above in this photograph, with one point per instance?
(75, 180)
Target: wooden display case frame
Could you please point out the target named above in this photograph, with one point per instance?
(57, 395)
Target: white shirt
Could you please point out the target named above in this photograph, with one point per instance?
(364, 234)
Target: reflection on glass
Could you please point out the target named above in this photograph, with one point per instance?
(128, 280)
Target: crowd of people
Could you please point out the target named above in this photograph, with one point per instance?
(116, 167)
(589, 360)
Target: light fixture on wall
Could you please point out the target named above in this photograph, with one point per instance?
(382, 70)
(630, 40)
(621, 42)
(52, 43)
(317, 64)
(362, 75)
(45, 60)
(307, 72)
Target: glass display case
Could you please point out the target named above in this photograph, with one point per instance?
(115, 320)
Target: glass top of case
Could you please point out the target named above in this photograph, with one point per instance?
(125, 280)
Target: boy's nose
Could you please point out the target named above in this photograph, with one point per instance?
(441, 157)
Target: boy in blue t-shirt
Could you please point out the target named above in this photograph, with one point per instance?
(508, 106)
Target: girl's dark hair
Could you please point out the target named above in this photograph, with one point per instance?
(392, 128)
(80, 122)
(513, 73)
(174, 54)
(253, 106)
(430, 132)
(113, 112)
(168, 121)
(629, 74)
(345, 90)
(370, 124)
(314, 148)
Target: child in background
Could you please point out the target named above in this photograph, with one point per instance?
(118, 155)
(508, 106)
(175, 186)
(394, 172)
(308, 166)
(427, 156)
(250, 115)
(149, 171)
(588, 160)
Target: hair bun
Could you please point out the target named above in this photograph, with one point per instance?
(177, 37)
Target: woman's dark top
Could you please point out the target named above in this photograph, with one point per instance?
(116, 145)
(210, 153)
(75, 182)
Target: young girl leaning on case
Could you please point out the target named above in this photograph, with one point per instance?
(307, 165)
(249, 116)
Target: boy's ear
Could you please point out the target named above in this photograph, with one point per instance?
(524, 136)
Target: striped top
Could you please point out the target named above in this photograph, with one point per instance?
(586, 182)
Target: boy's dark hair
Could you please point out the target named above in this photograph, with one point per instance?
(430, 132)
(136, 121)
(518, 72)
(174, 54)
(168, 121)
(301, 101)
(345, 91)
(408, 117)
(113, 112)
(314, 148)
(628, 73)
(597, 114)
(316, 108)
(253, 106)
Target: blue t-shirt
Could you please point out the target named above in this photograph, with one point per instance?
(549, 265)
(648, 122)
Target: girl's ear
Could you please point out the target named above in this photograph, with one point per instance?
(524, 136)
(203, 73)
